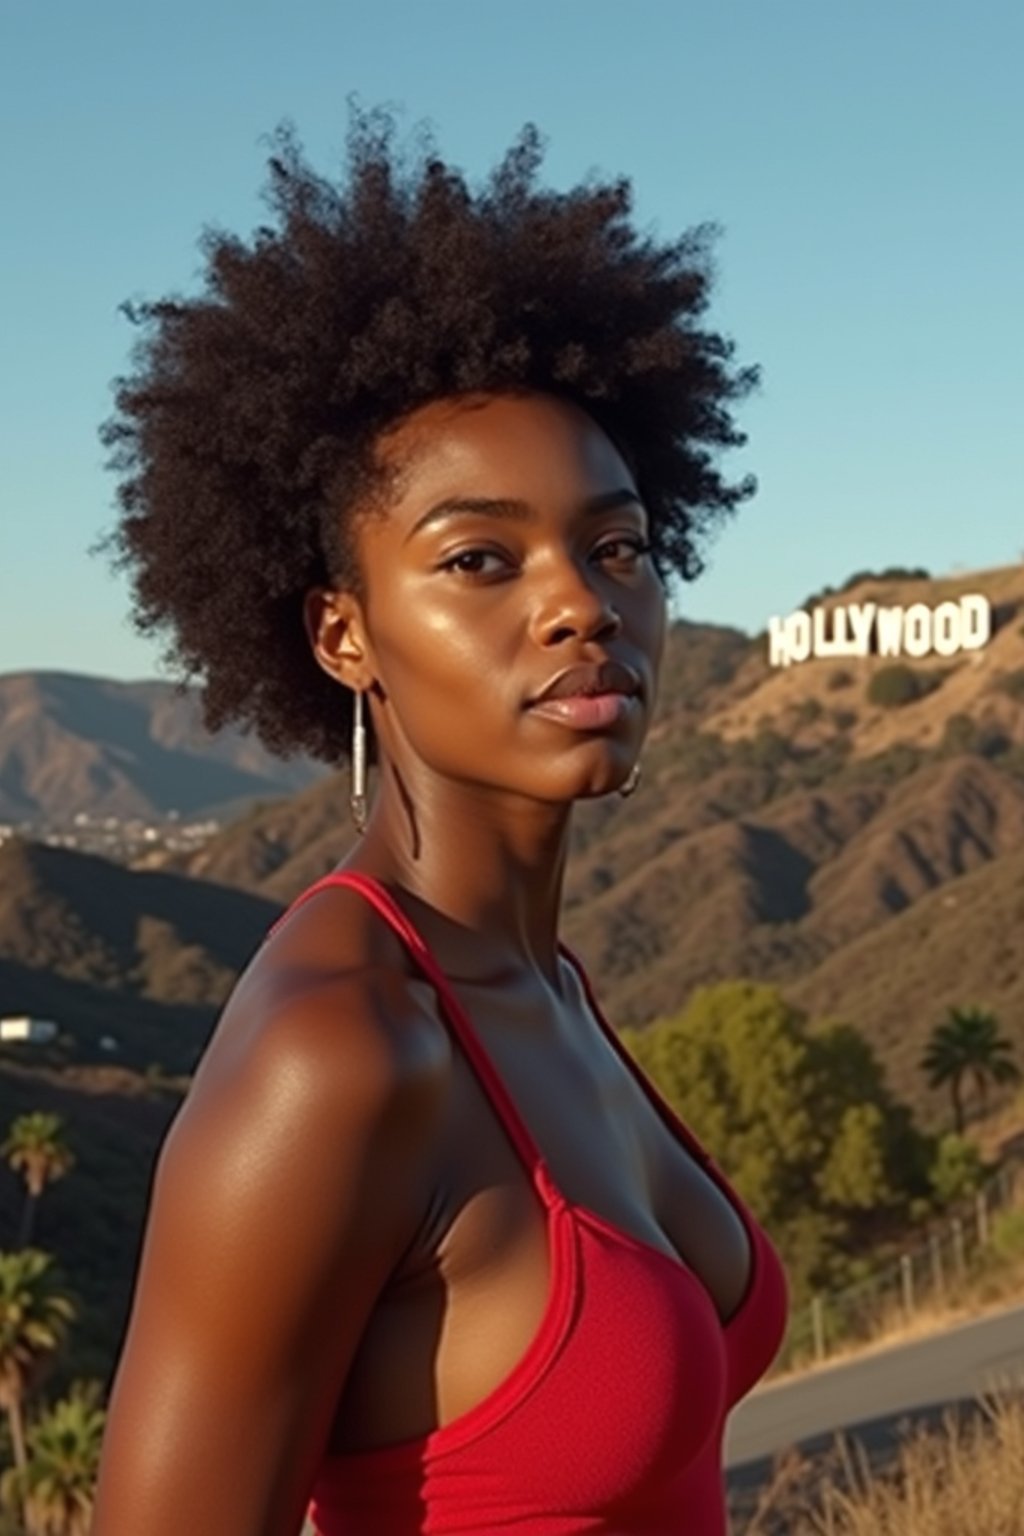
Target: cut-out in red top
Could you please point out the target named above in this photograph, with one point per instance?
(612, 1421)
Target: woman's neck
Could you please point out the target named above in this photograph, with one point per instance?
(484, 870)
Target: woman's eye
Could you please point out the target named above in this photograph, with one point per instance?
(476, 562)
(622, 550)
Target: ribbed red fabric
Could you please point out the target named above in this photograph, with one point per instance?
(612, 1421)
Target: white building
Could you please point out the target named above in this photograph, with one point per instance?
(21, 1027)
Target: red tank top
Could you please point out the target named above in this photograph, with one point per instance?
(612, 1421)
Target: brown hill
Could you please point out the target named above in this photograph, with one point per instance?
(775, 893)
(145, 957)
(804, 699)
(73, 744)
(946, 820)
(280, 847)
(962, 942)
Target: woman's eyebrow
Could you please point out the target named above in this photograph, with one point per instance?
(507, 507)
(471, 506)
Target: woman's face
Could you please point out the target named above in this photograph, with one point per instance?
(513, 620)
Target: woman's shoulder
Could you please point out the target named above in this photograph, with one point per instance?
(332, 983)
(325, 1026)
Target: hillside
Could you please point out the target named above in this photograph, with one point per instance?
(71, 744)
(278, 848)
(806, 700)
(962, 941)
(143, 957)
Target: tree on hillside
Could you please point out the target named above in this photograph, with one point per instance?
(957, 1170)
(56, 1487)
(967, 1046)
(798, 1116)
(35, 1148)
(34, 1315)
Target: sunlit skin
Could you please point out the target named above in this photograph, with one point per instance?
(468, 614)
(374, 1256)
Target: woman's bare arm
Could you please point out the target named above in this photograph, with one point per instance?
(284, 1195)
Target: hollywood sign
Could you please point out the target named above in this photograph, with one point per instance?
(866, 629)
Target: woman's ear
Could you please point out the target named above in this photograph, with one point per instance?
(336, 631)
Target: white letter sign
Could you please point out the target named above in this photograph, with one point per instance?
(863, 629)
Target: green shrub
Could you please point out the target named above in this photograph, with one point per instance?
(1012, 684)
(897, 685)
(821, 765)
(888, 767)
(765, 750)
(992, 742)
(1008, 1234)
(839, 677)
(808, 711)
(1013, 761)
(960, 734)
(904, 573)
(891, 573)
(700, 755)
(957, 1169)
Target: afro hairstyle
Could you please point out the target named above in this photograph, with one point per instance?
(243, 436)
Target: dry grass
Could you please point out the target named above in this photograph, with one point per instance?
(1000, 1132)
(966, 1479)
(992, 1286)
(988, 1291)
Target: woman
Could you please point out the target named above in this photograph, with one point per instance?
(425, 1249)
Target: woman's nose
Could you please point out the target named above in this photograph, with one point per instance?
(575, 608)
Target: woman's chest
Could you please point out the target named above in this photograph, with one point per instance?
(475, 1290)
(605, 1147)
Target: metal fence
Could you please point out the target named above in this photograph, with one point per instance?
(929, 1276)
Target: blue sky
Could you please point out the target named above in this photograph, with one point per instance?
(863, 158)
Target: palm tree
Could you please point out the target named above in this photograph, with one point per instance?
(33, 1318)
(56, 1488)
(35, 1148)
(968, 1045)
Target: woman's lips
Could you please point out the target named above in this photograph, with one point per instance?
(586, 712)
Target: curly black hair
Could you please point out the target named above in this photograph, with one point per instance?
(243, 438)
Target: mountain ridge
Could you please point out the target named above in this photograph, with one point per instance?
(71, 743)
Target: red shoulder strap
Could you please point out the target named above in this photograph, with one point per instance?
(452, 1012)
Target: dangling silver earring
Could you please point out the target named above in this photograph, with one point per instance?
(629, 785)
(357, 799)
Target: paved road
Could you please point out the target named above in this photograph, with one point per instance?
(872, 1393)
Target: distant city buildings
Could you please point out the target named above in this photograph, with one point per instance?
(133, 840)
